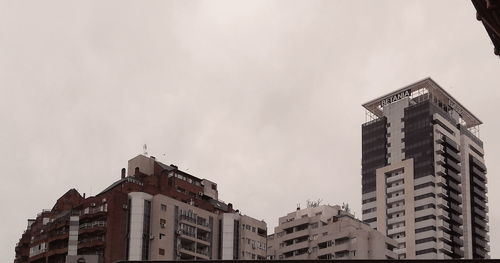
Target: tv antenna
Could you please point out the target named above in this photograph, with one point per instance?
(145, 149)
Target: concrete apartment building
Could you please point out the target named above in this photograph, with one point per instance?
(423, 174)
(156, 212)
(327, 232)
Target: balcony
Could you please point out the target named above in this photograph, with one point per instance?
(454, 175)
(189, 253)
(90, 227)
(478, 182)
(395, 178)
(479, 212)
(188, 220)
(480, 252)
(440, 170)
(297, 234)
(203, 240)
(439, 149)
(444, 226)
(481, 233)
(478, 192)
(439, 159)
(440, 191)
(458, 252)
(457, 230)
(456, 198)
(455, 208)
(479, 164)
(395, 220)
(454, 186)
(457, 219)
(479, 201)
(445, 248)
(395, 199)
(57, 251)
(95, 214)
(395, 188)
(94, 242)
(453, 155)
(457, 240)
(294, 246)
(395, 209)
(188, 236)
(292, 224)
(400, 251)
(58, 236)
(479, 173)
(396, 230)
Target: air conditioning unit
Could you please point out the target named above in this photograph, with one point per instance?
(92, 204)
(125, 206)
(309, 251)
(162, 225)
(311, 238)
(151, 237)
(200, 193)
(178, 232)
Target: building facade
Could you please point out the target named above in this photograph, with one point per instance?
(423, 174)
(156, 212)
(327, 232)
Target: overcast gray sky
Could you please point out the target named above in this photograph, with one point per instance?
(262, 97)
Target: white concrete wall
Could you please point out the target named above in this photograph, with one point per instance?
(228, 235)
(136, 223)
(394, 112)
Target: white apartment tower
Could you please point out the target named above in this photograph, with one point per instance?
(327, 232)
(423, 174)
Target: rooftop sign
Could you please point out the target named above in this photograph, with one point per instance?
(436, 92)
(393, 98)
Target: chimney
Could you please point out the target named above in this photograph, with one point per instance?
(230, 207)
(123, 173)
(83, 195)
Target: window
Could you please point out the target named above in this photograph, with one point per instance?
(314, 225)
(161, 236)
(253, 229)
(163, 207)
(163, 223)
(161, 251)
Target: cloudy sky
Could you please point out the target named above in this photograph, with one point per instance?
(263, 97)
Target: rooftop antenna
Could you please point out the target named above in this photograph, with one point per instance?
(145, 149)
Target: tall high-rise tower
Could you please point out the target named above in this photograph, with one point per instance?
(423, 174)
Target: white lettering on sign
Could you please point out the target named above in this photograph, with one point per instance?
(395, 97)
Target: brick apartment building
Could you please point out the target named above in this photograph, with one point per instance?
(155, 212)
